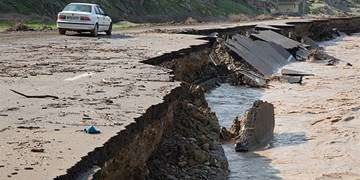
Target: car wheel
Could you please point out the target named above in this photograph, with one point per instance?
(109, 31)
(62, 31)
(95, 32)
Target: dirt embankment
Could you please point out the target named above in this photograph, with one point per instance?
(175, 139)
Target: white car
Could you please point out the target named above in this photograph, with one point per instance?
(84, 17)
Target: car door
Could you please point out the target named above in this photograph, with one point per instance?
(100, 18)
(105, 19)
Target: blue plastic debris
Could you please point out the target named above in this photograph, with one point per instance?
(92, 130)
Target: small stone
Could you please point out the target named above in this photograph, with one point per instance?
(182, 163)
(28, 168)
(205, 147)
(38, 150)
(349, 118)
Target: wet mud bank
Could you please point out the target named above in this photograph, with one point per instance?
(180, 137)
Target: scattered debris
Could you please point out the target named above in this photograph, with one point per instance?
(225, 135)
(35, 150)
(319, 55)
(86, 117)
(190, 20)
(349, 64)
(28, 127)
(39, 96)
(310, 42)
(293, 77)
(349, 118)
(92, 130)
(331, 62)
(262, 27)
(289, 72)
(19, 27)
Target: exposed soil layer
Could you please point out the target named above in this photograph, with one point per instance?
(191, 148)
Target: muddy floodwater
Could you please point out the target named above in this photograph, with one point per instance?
(317, 123)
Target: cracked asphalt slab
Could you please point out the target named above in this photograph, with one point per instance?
(99, 81)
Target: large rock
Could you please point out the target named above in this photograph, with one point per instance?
(256, 129)
(190, 148)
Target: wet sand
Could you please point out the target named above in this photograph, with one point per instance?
(99, 81)
(317, 123)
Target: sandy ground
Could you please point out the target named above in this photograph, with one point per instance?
(317, 123)
(99, 81)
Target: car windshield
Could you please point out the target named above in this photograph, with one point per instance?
(78, 8)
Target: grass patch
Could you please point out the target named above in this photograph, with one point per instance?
(124, 25)
(4, 25)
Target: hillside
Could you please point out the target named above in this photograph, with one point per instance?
(163, 10)
(136, 10)
(334, 7)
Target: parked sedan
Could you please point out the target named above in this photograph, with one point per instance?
(84, 17)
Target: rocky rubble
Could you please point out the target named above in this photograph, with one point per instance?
(20, 27)
(318, 54)
(237, 72)
(191, 148)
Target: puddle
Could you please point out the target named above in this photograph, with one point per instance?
(230, 101)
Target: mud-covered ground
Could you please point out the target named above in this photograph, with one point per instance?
(99, 81)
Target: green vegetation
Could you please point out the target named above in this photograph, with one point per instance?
(135, 10)
(150, 11)
(334, 7)
(124, 25)
(5, 25)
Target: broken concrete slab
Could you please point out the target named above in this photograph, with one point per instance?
(266, 57)
(296, 48)
(290, 72)
(267, 27)
(271, 36)
(256, 129)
